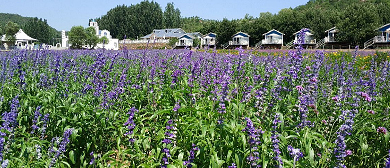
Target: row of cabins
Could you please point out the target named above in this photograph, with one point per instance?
(272, 38)
(184, 39)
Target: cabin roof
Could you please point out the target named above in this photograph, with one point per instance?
(333, 29)
(310, 31)
(167, 33)
(195, 34)
(211, 35)
(384, 27)
(241, 34)
(273, 31)
(187, 36)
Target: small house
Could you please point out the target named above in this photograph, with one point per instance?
(209, 40)
(185, 41)
(272, 39)
(308, 36)
(165, 34)
(22, 40)
(382, 39)
(240, 39)
(331, 35)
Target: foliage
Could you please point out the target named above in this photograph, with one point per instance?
(104, 40)
(173, 41)
(91, 39)
(77, 37)
(171, 16)
(225, 30)
(196, 42)
(133, 21)
(20, 20)
(359, 23)
(40, 30)
(133, 108)
(10, 30)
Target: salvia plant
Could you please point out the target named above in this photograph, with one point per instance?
(187, 108)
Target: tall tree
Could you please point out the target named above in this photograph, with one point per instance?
(133, 21)
(77, 37)
(11, 29)
(289, 21)
(39, 29)
(91, 38)
(226, 29)
(172, 18)
(149, 16)
(119, 21)
(360, 21)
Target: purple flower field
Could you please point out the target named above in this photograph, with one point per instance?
(183, 108)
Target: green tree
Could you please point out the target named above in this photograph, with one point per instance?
(40, 30)
(104, 40)
(133, 21)
(119, 21)
(172, 16)
(11, 29)
(360, 21)
(149, 16)
(173, 41)
(196, 42)
(289, 21)
(77, 37)
(226, 29)
(91, 39)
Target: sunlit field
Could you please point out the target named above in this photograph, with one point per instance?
(185, 108)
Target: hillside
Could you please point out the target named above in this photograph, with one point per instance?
(20, 20)
(34, 27)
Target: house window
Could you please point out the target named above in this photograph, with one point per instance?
(182, 42)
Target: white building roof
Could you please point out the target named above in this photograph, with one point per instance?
(21, 36)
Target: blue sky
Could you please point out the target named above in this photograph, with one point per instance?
(63, 14)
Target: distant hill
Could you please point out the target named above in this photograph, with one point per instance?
(6, 17)
(340, 4)
(34, 27)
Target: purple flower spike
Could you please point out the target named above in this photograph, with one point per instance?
(37, 114)
(387, 164)
(191, 157)
(130, 123)
(253, 140)
(232, 166)
(295, 153)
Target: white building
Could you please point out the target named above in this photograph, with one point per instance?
(113, 44)
(240, 39)
(209, 40)
(185, 41)
(22, 40)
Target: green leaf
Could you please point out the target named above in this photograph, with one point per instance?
(72, 157)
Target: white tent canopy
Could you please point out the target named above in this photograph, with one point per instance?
(20, 36)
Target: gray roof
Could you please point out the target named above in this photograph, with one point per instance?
(195, 34)
(166, 33)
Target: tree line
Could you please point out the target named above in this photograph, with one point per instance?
(34, 27)
(356, 20)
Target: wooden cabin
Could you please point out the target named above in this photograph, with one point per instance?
(272, 39)
(331, 35)
(239, 39)
(382, 39)
(309, 38)
(209, 40)
(185, 41)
